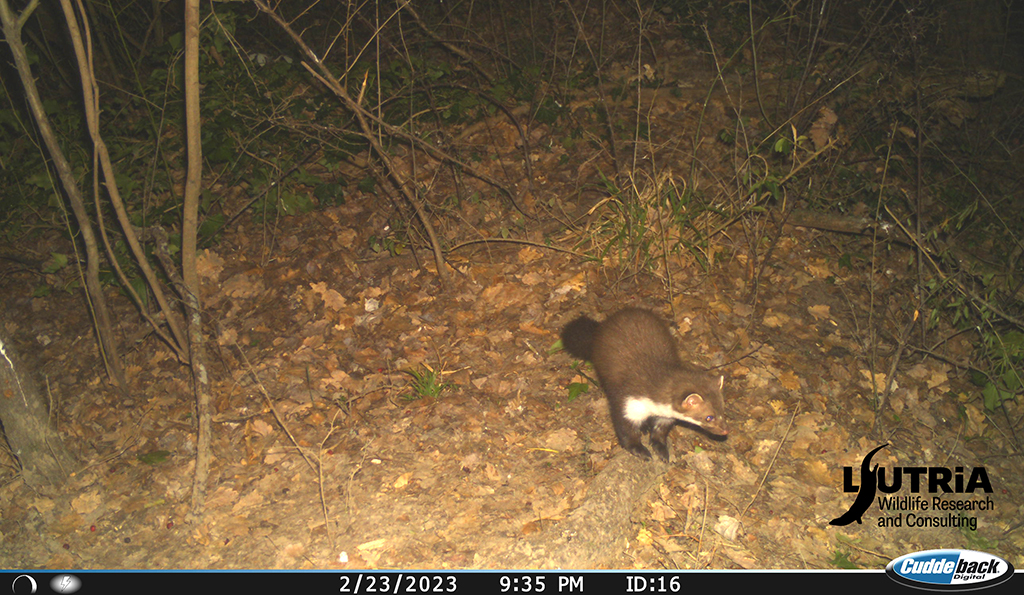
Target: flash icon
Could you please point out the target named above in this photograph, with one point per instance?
(65, 583)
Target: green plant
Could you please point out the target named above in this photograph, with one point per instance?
(1005, 354)
(576, 389)
(976, 541)
(394, 242)
(642, 225)
(426, 383)
(842, 560)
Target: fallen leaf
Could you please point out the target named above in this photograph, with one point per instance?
(879, 381)
(560, 440)
(660, 512)
(530, 328)
(376, 544)
(789, 381)
(775, 320)
(728, 527)
(87, 502)
(531, 528)
(818, 471)
(209, 264)
(576, 283)
(819, 268)
(332, 299)
(529, 254)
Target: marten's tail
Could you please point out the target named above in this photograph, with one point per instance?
(578, 337)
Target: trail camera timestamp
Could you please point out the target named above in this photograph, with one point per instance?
(541, 583)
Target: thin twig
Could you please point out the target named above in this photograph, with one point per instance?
(513, 241)
(770, 464)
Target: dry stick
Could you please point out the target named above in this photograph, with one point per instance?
(200, 374)
(755, 288)
(315, 466)
(392, 172)
(770, 464)
(704, 518)
(755, 284)
(441, 155)
(407, 5)
(643, 20)
(930, 352)
(956, 440)
(880, 400)
(513, 241)
(413, 141)
(90, 92)
(320, 479)
(852, 545)
(12, 26)
(603, 99)
(162, 251)
(92, 109)
(363, 117)
(302, 161)
(918, 183)
(942, 275)
(669, 285)
(984, 198)
(872, 326)
(800, 166)
(197, 344)
(721, 77)
(445, 157)
(523, 137)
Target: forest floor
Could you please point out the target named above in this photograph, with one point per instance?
(326, 456)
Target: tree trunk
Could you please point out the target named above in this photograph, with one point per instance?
(45, 461)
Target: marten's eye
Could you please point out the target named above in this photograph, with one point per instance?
(709, 418)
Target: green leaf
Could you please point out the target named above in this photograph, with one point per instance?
(367, 184)
(330, 194)
(783, 145)
(175, 41)
(577, 388)
(57, 262)
(210, 226)
(154, 457)
(140, 287)
(1010, 380)
(842, 560)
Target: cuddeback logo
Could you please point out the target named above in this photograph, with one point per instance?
(936, 479)
(949, 570)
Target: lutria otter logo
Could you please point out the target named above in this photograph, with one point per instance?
(868, 483)
(935, 480)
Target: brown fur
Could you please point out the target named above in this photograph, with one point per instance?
(642, 375)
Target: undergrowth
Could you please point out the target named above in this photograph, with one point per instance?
(846, 110)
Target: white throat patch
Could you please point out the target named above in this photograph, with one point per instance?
(637, 409)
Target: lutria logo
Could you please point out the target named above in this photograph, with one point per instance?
(868, 483)
(935, 480)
